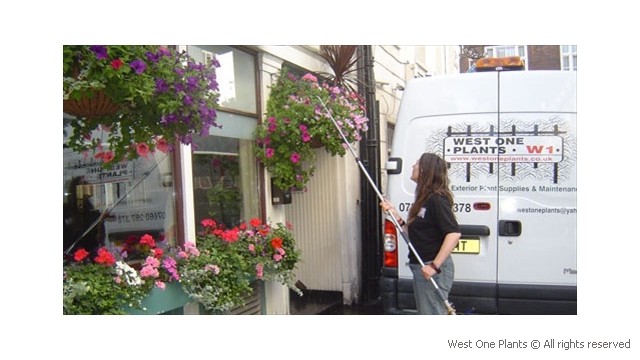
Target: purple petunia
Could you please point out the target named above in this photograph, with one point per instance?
(169, 119)
(161, 86)
(138, 66)
(192, 83)
(100, 51)
(187, 100)
(152, 57)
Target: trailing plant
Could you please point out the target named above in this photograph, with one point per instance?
(298, 115)
(154, 96)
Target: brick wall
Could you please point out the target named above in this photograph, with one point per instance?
(539, 57)
(543, 57)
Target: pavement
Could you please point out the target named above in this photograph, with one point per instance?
(315, 302)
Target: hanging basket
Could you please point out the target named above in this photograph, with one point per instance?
(316, 142)
(98, 105)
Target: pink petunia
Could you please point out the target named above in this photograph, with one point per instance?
(162, 145)
(142, 149)
(259, 271)
(295, 157)
(214, 268)
(108, 156)
(309, 77)
(269, 152)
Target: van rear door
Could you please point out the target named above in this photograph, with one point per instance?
(441, 114)
(537, 244)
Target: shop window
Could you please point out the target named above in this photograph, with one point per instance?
(224, 175)
(236, 76)
(225, 180)
(137, 195)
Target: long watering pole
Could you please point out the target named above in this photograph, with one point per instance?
(446, 302)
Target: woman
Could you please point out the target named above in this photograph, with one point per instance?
(79, 215)
(433, 231)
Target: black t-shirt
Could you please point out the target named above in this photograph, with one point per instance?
(427, 231)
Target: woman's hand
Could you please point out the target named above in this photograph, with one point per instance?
(389, 209)
(428, 271)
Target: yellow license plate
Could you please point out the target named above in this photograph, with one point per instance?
(468, 246)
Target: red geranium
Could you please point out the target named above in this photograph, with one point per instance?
(276, 242)
(105, 257)
(80, 255)
(148, 240)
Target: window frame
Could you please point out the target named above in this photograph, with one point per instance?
(519, 50)
(570, 52)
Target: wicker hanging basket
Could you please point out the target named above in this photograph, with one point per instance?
(316, 142)
(96, 106)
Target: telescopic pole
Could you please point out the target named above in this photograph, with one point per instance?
(446, 302)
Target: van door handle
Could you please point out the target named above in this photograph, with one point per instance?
(509, 228)
(474, 230)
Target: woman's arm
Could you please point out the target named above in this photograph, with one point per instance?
(449, 243)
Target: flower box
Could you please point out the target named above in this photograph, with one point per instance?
(161, 301)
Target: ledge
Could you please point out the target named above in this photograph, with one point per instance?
(161, 301)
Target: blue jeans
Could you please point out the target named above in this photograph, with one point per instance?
(427, 300)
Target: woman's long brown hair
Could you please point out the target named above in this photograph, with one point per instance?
(433, 178)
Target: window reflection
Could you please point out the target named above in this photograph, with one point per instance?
(224, 181)
(235, 76)
(135, 198)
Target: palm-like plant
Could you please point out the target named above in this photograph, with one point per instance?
(343, 60)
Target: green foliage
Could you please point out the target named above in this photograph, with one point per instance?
(215, 277)
(299, 115)
(93, 289)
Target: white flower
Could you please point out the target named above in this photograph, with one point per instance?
(129, 274)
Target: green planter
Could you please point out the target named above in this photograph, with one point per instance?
(161, 301)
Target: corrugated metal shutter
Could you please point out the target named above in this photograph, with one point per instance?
(253, 302)
(314, 218)
(323, 223)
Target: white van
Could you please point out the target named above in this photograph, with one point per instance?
(509, 138)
